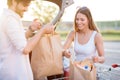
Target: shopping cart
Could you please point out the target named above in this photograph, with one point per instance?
(108, 72)
(104, 72)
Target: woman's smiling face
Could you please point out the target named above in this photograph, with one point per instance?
(81, 21)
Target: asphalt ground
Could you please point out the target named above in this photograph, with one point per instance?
(112, 52)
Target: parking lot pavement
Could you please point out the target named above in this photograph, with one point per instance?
(112, 52)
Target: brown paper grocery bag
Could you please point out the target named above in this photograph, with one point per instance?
(78, 73)
(46, 57)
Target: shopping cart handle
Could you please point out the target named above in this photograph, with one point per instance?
(115, 65)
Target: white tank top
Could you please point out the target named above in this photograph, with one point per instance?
(83, 51)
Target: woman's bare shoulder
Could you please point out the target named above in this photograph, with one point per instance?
(98, 37)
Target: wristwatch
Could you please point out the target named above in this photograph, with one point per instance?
(30, 29)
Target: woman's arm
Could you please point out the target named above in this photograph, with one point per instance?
(100, 49)
(68, 43)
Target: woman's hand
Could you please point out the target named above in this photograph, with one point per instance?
(66, 53)
(95, 59)
(98, 59)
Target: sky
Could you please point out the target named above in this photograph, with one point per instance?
(101, 10)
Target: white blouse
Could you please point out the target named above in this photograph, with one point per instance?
(14, 65)
(86, 50)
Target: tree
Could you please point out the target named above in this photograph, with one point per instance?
(43, 10)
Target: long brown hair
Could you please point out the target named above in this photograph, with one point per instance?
(87, 13)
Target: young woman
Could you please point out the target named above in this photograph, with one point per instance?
(87, 39)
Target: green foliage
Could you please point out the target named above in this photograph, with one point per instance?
(43, 10)
(110, 35)
(113, 35)
(111, 32)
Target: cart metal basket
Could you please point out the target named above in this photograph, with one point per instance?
(107, 72)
